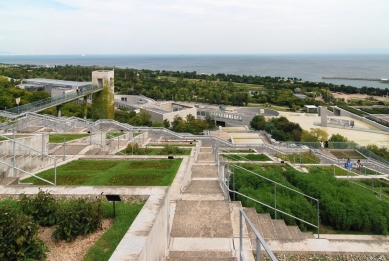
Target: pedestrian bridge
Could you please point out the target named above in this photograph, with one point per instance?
(44, 104)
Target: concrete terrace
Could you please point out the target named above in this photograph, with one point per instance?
(193, 219)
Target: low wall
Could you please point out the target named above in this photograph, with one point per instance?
(26, 142)
(148, 236)
(26, 163)
(363, 119)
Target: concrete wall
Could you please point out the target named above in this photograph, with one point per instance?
(155, 116)
(60, 91)
(104, 75)
(26, 163)
(373, 123)
(148, 236)
(30, 141)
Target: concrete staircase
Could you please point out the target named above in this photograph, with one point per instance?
(273, 229)
(202, 228)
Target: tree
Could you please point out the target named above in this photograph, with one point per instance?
(337, 138)
(166, 123)
(145, 117)
(314, 135)
(258, 122)
(306, 136)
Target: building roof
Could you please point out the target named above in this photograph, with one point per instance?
(56, 82)
(310, 106)
(301, 96)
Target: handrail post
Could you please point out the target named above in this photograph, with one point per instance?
(275, 200)
(55, 171)
(14, 156)
(318, 220)
(64, 148)
(240, 234)
(258, 249)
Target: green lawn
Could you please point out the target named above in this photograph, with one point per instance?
(155, 151)
(112, 173)
(125, 215)
(1, 138)
(110, 135)
(59, 138)
(251, 157)
(175, 144)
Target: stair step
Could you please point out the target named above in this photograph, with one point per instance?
(308, 235)
(253, 216)
(203, 187)
(102, 152)
(201, 255)
(9, 181)
(92, 151)
(204, 171)
(208, 157)
(295, 232)
(281, 228)
(202, 219)
(267, 227)
(206, 149)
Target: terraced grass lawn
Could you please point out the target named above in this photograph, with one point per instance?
(125, 215)
(330, 170)
(375, 184)
(59, 138)
(251, 157)
(112, 173)
(174, 144)
(155, 151)
(110, 135)
(345, 154)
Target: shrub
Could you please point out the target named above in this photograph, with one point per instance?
(42, 207)
(18, 236)
(170, 149)
(136, 150)
(78, 217)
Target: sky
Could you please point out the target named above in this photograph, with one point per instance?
(194, 26)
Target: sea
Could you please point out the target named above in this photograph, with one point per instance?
(306, 67)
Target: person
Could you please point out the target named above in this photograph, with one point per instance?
(349, 165)
(358, 166)
(322, 145)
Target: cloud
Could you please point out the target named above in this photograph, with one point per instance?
(193, 26)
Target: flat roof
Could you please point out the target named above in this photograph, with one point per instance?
(310, 106)
(156, 110)
(56, 82)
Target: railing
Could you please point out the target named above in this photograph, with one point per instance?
(260, 241)
(224, 179)
(54, 101)
(13, 165)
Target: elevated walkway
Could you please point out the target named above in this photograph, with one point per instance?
(44, 104)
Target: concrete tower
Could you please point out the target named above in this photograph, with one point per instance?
(103, 102)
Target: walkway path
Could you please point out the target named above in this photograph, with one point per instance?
(202, 227)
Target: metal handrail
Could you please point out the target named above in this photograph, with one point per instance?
(275, 209)
(260, 241)
(367, 188)
(39, 152)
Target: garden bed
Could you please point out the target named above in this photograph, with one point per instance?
(112, 173)
(347, 154)
(343, 205)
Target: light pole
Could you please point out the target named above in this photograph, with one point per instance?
(17, 100)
